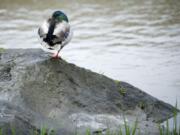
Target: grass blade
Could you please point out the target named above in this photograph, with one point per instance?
(120, 131)
(160, 129)
(167, 127)
(126, 127)
(135, 127)
(139, 132)
(13, 131)
(108, 132)
(88, 132)
(0, 131)
(43, 131)
(175, 120)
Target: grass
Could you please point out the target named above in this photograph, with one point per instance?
(125, 129)
(122, 90)
(128, 130)
(142, 105)
(117, 81)
(2, 50)
(0, 131)
(167, 130)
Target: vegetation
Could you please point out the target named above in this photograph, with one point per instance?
(128, 130)
(123, 130)
(142, 105)
(166, 130)
(117, 81)
(2, 50)
(122, 90)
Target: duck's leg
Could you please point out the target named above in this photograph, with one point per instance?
(56, 55)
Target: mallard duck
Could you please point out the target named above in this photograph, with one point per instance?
(55, 33)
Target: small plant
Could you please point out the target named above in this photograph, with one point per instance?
(142, 105)
(122, 91)
(120, 131)
(88, 132)
(117, 81)
(134, 128)
(128, 130)
(108, 132)
(2, 50)
(51, 132)
(35, 132)
(13, 131)
(0, 131)
(43, 131)
(167, 130)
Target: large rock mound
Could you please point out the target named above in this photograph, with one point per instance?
(66, 97)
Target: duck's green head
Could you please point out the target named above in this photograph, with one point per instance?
(60, 16)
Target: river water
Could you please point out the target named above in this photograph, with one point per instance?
(137, 41)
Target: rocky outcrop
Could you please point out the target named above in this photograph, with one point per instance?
(54, 93)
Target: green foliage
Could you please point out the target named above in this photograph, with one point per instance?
(35, 132)
(139, 132)
(126, 126)
(134, 128)
(126, 129)
(43, 131)
(142, 105)
(167, 131)
(108, 132)
(130, 130)
(13, 131)
(88, 132)
(160, 129)
(51, 132)
(1, 131)
(122, 91)
(117, 81)
(2, 50)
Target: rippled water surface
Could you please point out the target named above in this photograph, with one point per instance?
(137, 41)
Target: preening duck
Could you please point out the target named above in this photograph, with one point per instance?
(55, 33)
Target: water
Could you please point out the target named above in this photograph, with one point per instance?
(136, 41)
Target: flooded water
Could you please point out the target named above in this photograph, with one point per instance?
(137, 41)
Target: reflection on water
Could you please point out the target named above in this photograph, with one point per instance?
(137, 41)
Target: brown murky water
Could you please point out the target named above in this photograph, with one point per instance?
(137, 41)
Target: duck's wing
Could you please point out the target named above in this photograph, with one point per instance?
(61, 32)
(68, 38)
(42, 32)
(43, 29)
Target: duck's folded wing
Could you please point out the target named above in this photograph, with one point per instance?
(43, 29)
(68, 37)
(61, 30)
(63, 33)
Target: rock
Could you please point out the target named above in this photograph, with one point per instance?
(68, 98)
(12, 118)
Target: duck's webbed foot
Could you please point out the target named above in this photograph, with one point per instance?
(56, 56)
